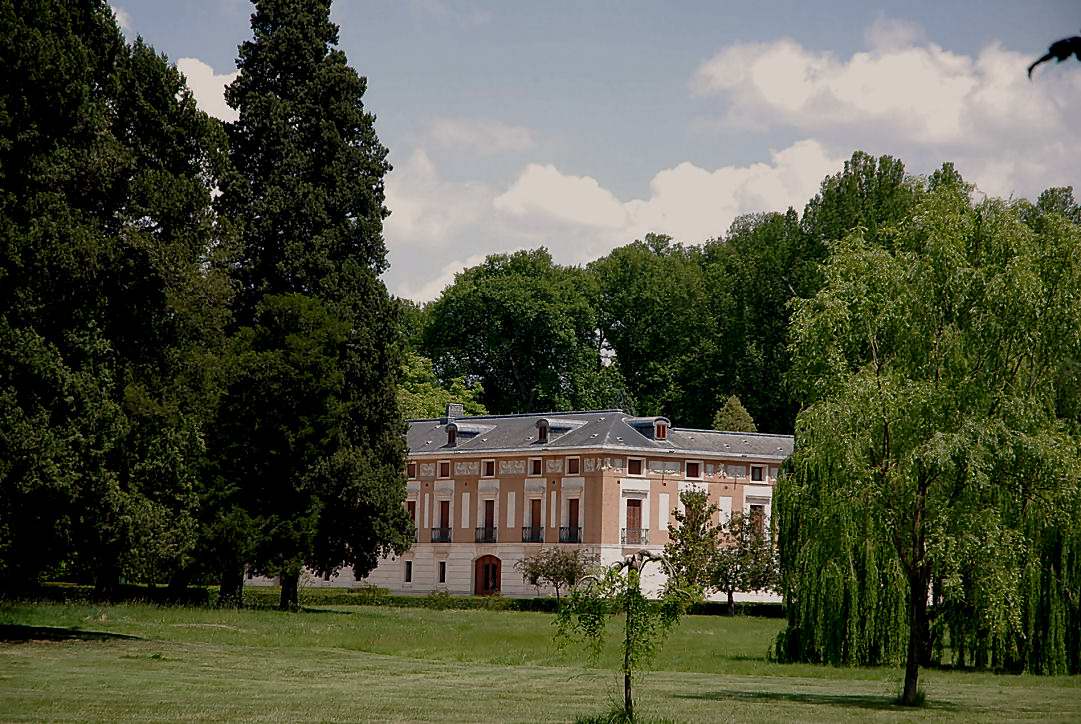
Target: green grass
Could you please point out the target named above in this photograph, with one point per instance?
(369, 663)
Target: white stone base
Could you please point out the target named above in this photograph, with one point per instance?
(460, 558)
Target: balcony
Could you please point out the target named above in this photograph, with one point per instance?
(486, 535)
(634, 536)
(533, 534)
(440, 535)
(571, 534)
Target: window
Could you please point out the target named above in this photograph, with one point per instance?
(542, 433)
(411, 506)
(409, 571)
(489, 468)
(573, 465)
(444, 468)
(758, 519)
(442, 571)
(535, 466)
(411, 470)
(634, 466)
(694, 469)
(758, 473)
(661, 431)
(452, 436)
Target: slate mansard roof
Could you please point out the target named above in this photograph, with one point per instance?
(609, 429)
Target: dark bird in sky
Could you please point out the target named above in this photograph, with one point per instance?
(1060, 49)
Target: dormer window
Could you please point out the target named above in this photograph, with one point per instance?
(542, 432)
(660, 431)
(452, 435)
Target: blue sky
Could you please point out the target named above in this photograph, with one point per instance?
(584, 125)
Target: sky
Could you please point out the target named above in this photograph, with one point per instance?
(583, 126)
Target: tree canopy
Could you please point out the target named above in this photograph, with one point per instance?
(931, 465)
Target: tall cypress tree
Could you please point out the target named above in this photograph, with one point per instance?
(321, 333)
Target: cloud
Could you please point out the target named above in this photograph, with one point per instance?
(437, 227)
(208, 87)
(123, 18)
(481, 136)
(910, 97)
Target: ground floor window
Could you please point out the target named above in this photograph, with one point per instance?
(442, 571)
(409, 571)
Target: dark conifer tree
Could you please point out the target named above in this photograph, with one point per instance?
(323, 487)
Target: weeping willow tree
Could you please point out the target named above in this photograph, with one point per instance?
(930, 509)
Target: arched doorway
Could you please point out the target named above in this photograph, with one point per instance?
(487, 574)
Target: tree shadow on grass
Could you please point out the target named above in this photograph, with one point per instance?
(17, 632)
(858, 701)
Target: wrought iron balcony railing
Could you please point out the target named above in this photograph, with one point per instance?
(570, 534)
(634, 536)
(440, 535)
(533, 534)
(486, 534)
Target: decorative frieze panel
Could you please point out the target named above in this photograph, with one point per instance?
(735, 471)
(534, 485)
(427, 470)
(412, 487)
(772, 472)
(614, 463)
(709, 470)
(512, 467)
(554, 465)
(488, 486)
(466, 467)
(592, 464)
(444, 488)
(663, 466)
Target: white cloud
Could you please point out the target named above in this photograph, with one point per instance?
(480, 136)
(123, 18)
(437, 227)
(208, 87)
(912, 98)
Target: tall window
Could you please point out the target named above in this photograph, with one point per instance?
(542, 434)
(409, 571)
(411, 470)
(411, 506)
(758, 519)
(442, 571)
(535, 466)
(452, 436)
(489, 468)
(661, 431)
(444, 469)
(573, 465)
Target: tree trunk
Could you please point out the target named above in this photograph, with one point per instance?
(290, 598)
(917, 639)
(731, 603)
(231, 588)
(628, 645)
(107, 583)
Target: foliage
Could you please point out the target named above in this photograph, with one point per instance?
(931, 460)
(746, 560)
(618, 591)
(692, 542)
(651, 311)
(421, 395)
(558, 567)
(733, 417)
(112, 300)
(313, 403)
(525, 328)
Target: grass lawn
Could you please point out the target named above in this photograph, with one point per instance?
(392, 664)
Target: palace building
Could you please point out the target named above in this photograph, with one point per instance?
(485, 491)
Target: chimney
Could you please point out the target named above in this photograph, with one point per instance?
(454, 411)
